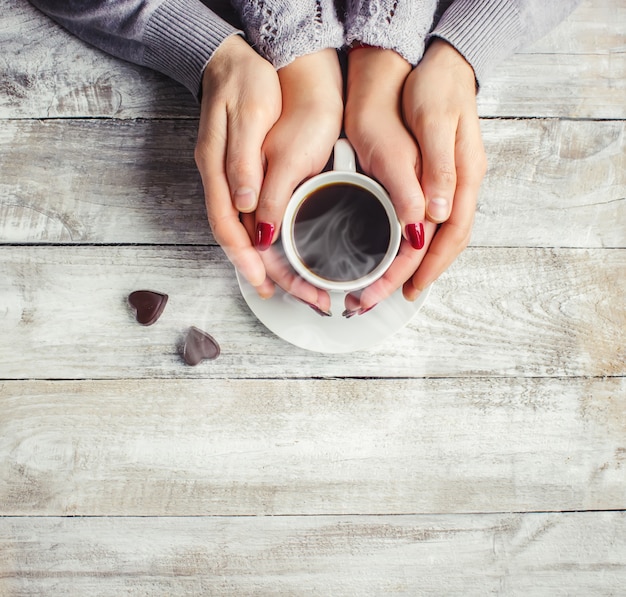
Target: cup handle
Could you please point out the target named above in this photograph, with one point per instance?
(343, 156)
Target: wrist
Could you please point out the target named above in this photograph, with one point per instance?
(358, 45)
(313, 77)
(375, 73)
(226, 55)
(445, 56)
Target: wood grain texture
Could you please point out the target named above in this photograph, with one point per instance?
(528, 312)
(291, 447)
(544, 555)
(550, 183)
(480, 451)
(577, 71)
(47, 72)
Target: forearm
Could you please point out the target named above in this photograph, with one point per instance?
(485, 32)
(174, 37)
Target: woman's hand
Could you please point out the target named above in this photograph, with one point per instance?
(388, 152)
(439, 107)
(241, 101)
(300, 143)
(297, 147)
(423, 144)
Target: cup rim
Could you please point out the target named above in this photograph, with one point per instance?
(340, 177)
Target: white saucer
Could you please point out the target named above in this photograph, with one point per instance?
(299, 325)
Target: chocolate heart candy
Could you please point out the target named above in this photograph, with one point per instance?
(148, 305)
(199, 346)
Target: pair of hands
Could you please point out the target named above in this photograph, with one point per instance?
(415, 130)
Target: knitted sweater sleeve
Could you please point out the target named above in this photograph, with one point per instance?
(486, 32)
(282, 31)
(174, 37)
(400, 25)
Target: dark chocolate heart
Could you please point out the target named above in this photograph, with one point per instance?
(199, 346)
(148, 305)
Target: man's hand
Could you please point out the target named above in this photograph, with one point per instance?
(241, 101)
(439, 107)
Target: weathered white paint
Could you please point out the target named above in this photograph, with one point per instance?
(505, 394)
(543, 555)
(528, 312)
(550, 183)
(278, 447)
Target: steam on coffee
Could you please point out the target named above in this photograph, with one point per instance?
(341, 232)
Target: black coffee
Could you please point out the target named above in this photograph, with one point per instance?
(341, 232)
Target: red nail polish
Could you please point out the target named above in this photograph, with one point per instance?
(263, 236)
(363, 311)
(348, 313)
(415, 235)
(314, 307)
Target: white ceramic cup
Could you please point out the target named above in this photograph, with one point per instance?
(331, 241)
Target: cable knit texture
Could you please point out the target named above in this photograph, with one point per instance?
(282, 31)
(400, 25)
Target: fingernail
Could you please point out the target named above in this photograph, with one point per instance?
(438, 209)
(415, 235)
(263, 236)
(314, 307)
(245, 199)
(413, 297)
(364, 311)
(348, 313)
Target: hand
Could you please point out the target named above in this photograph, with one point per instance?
(279, 270)
(387, 151)
(241, 101)
(297, 147)
(439, 106)
(300, 143)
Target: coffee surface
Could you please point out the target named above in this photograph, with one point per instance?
(341, 232)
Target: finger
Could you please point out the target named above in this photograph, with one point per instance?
(454, 235)
(397, 168)
(279, 270)
(450, 240)
(401, 270)
(223, 218)
(392, 157)
(288, 163)
(244, 162)
(436, 138)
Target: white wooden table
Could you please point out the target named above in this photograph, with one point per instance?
(480, 451)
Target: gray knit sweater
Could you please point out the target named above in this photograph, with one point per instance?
(178, 37)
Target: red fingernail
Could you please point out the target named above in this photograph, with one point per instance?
(415, 235)
(348, 313)
(314, 307)
(263, 236)
(363, 311)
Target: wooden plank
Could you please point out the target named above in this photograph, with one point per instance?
(46, 72)
(496, 312)
(100, 181)
(538, 555)
(280, 447)
(577, 71)
(550, 183)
